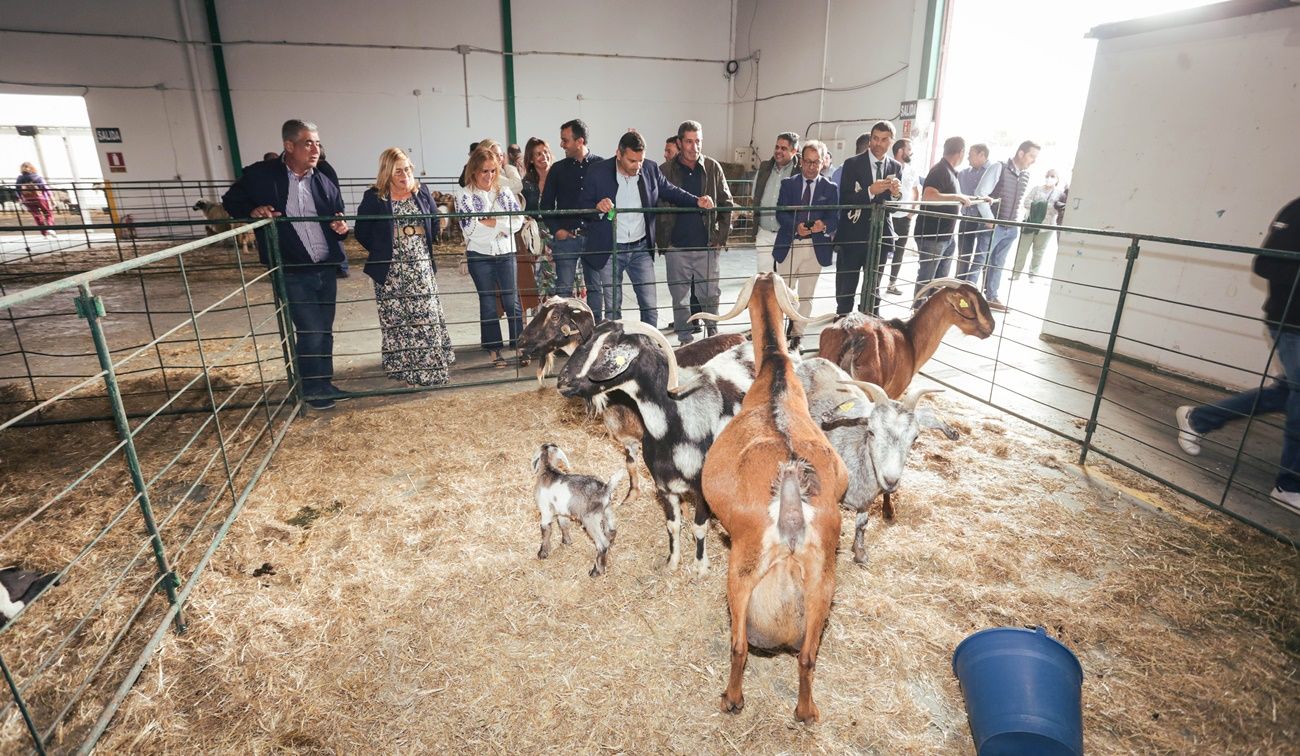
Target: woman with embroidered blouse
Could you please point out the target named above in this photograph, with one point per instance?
(416, 345)
(490, 250)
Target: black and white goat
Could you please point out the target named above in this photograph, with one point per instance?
(18, 588)
(632, 361)
(871, 432)
(565, 496)
(561, 326)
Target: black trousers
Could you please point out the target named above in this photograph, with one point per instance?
(851, 262)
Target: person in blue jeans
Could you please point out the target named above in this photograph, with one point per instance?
(563, 191)
(628, 185)
(1282, 313)
(490, 250)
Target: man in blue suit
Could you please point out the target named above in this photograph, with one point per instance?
(310, 251)
(631, 186)
(804, 233)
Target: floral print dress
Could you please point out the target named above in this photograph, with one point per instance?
(416, 344)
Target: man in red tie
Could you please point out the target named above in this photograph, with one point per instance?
(805, 229)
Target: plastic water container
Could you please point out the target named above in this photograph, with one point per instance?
(1023, 692)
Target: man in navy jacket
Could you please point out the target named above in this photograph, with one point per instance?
(628, 183)
(869, 180)
(803, 237)
(310, 251)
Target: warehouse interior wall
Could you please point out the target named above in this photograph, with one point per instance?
(166, 103)
(827, 61)
(1187, 133)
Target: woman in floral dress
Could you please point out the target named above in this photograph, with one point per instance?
(416, 346)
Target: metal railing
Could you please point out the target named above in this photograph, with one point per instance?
(120, 513)
(1098, 395)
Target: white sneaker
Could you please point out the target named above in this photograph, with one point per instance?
(1288, 499)
(1189, 439)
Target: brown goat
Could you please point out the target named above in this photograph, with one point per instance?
(889, 353)
(213, 211)
(775, 483)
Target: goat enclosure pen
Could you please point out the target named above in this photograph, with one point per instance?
(378, 588)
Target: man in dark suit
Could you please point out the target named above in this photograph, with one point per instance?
(803, 237)
(629, 185)
(310, 252)
(869, 179)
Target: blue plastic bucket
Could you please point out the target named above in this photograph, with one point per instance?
(1023, 692)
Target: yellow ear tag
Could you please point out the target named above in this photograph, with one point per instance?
(620, 360)
(845, 407)
(963, 303)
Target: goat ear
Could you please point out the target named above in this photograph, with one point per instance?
(563, 459)
(845, 414)
(537, 460)
(614, 362)
(926, 417)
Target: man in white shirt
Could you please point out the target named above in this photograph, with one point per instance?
(901, 221)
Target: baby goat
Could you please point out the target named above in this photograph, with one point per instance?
(584, 498)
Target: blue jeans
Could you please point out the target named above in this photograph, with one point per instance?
(1282, 396)
(566, 253)
(974, 247)
(312, 292)
(933, 258)
(1004, 238)
(493, 275)
(635, 260)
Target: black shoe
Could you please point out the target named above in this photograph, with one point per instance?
(343, 273)
(321, 404)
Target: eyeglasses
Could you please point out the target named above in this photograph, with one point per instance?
(814, 161)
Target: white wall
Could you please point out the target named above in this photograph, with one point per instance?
(362, 97)
(1188, 132)
(832, 43)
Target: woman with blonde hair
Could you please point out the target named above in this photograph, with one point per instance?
(416, 345)
(35, 196)
(490, 249)
(508, 177)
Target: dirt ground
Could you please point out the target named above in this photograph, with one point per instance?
(398, 605)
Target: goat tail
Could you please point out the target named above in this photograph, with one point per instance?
(796, 481)
(615, 481)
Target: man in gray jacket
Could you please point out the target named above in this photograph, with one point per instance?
(783, 164)
(692, 242)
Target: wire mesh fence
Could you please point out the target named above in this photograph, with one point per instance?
(147, 411)
(145, 397)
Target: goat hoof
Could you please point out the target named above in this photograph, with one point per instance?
(807, 716)
(543, 553)
(860, 559)
(595, 572)
(732, 707)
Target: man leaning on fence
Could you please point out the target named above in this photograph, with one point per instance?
(310, 251)
(692, 242)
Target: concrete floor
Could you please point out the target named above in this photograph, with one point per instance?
(1014, 370)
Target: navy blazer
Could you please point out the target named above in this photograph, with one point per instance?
(824, 193)
(376, 235)
(267, 183)
(601, 183)
(859, 173)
